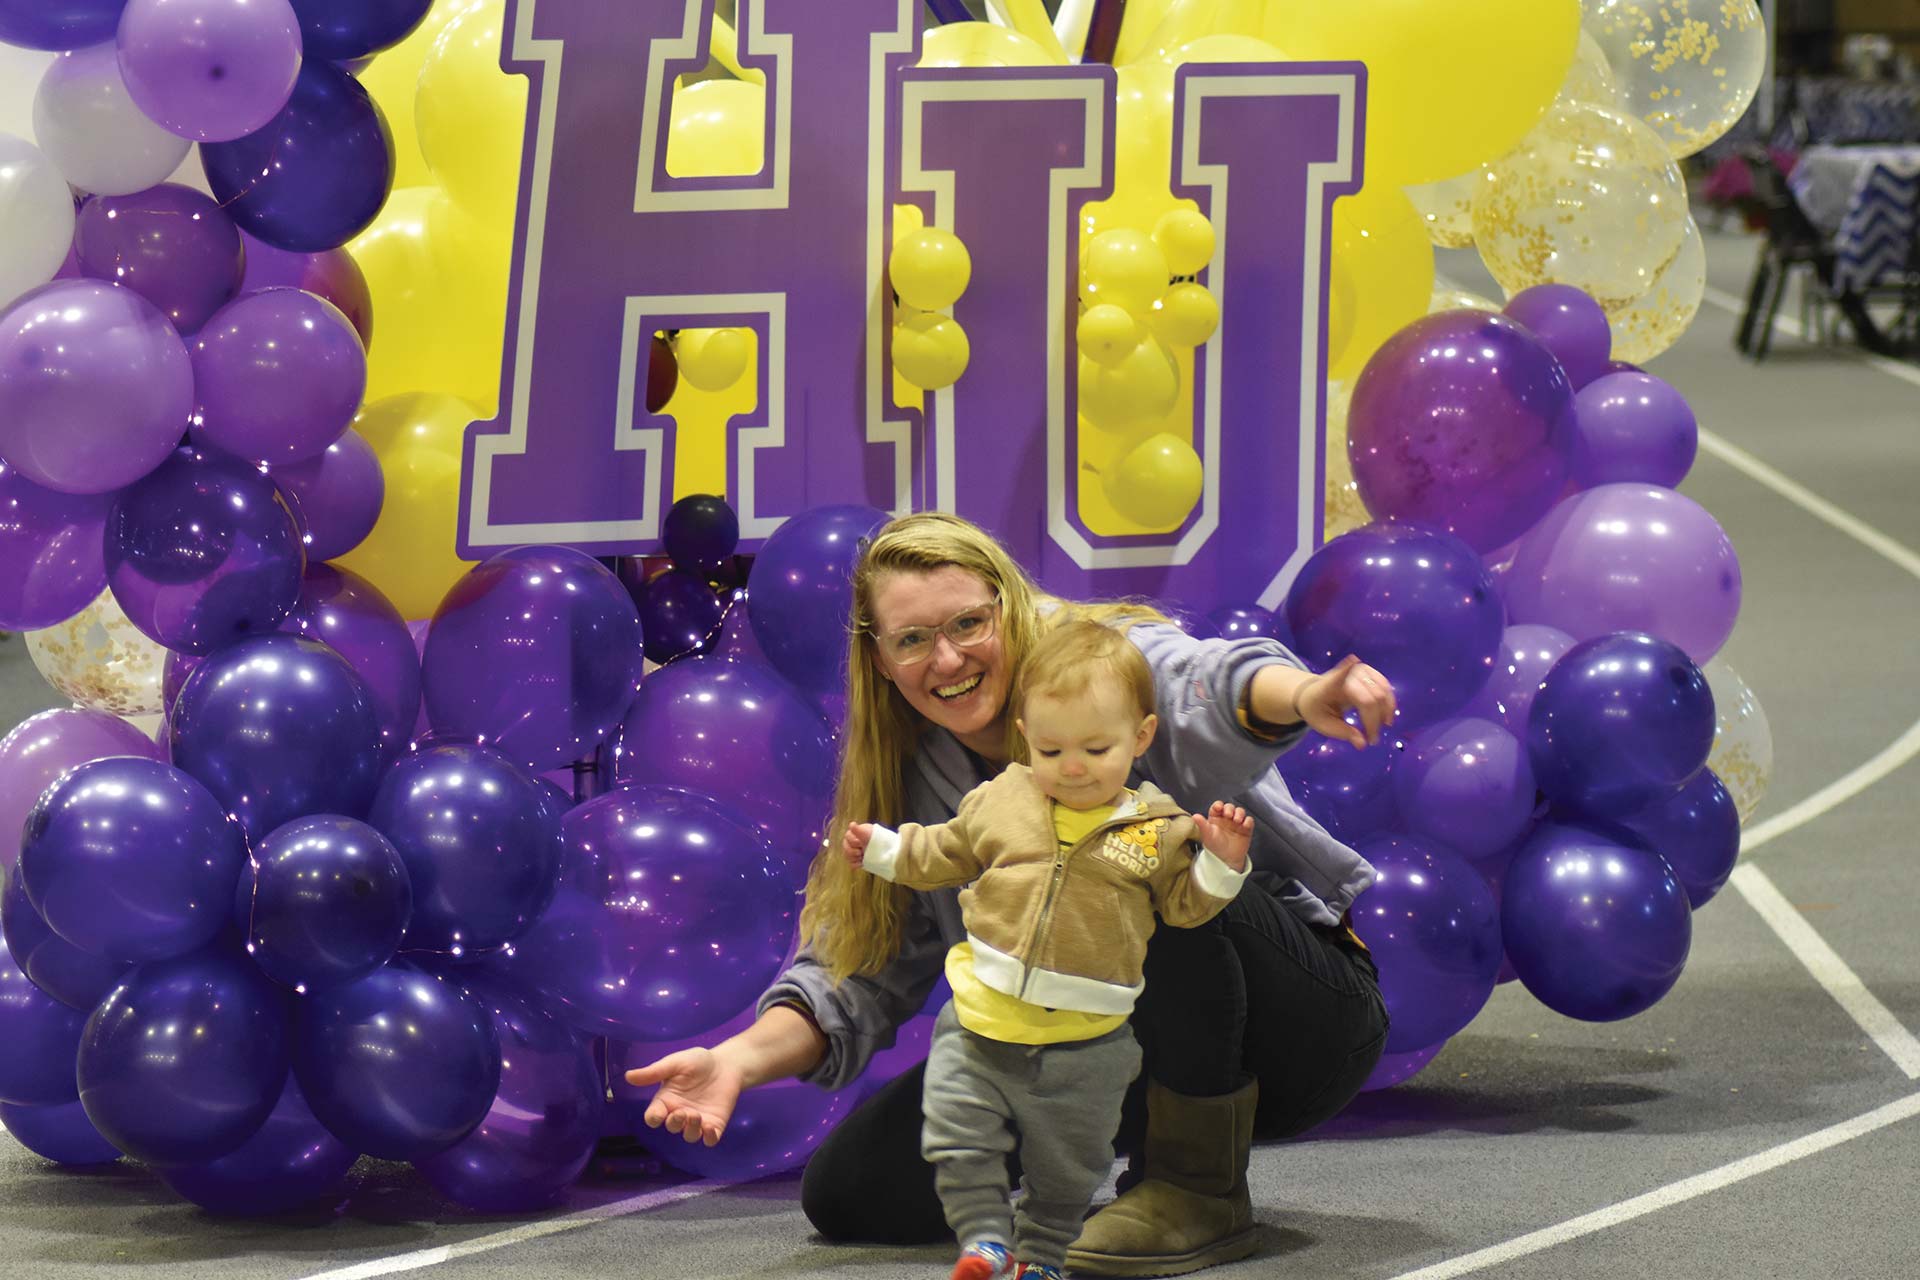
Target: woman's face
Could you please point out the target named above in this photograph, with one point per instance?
(961, 688)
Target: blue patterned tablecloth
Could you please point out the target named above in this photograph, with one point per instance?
(1865, 198)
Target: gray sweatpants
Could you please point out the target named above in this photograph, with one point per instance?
(1059, 1102)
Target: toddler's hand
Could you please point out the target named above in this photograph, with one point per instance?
(1226, 831)
(854, 843)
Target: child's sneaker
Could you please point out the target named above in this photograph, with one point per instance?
(983, 1261)
(1036, 1271)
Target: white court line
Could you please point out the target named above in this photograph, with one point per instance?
(420, 1258)
(1671, 1194)
(1898, 369)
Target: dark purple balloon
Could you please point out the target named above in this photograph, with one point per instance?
(672, 915)
(331, 273)
(342, 30)
(1623, 366)
(40, 748)
(203, 552)
(61, 1133)
(210, 70)
(1596, 930)
(336, 497)
(401, 1064)
(1696, 831)
(348, 614)
(289, 1161)
(76, 978)
(330, 900)
(773, 1128)
(316, 175)
(59, 24)
(801, 592)
(1398, 1068)
(95, 386)
(700, 533)
(736, 642)
(279, 727)
(1413, 602)
(545, 1119)
(279, 375)
(1570, 324)
(479, 841)
(738, 733)
(1244, 621)
(184, 1060)
(51, 561)
(1528, 651)
(1463, 421)
(131, 859)
(1197, 625)
(679, 615)
(170, 244)
(1432, 927)
(536, 652)
(1632, 427)
(1344, 789)
(1620, 722)
(40, 1035)
(1465, 783)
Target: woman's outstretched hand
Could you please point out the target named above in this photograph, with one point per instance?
(1349, 685)
(697, 1094)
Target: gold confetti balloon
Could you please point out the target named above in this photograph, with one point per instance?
(1447, 209)
(1591, 198)
(1591, 78)
(1345, 511)
(1742, 754)
(1689, 68)
(99, 659)
(1448, 296)
(1650, 325)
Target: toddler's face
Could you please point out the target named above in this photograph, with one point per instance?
(1084, 747)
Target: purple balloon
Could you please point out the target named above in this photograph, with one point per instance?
(1621, 722)
(536, 652)
(61, 1133)
(330, 899)
(1244, 621)
(335, 497)
(401, 1064)
(1462, 421)
(737, 732)
(41, 1036)
(802, 591)
(480, 842)
(1398, 1068)
(1696, 830)
(736, 642)
(1435, 933)
(42, 747)
(185, 1059)
(1632, 427)
(332, 274)
(279, 727)
(1596, 930)
(130, 859)
(700, 533)
(671, 916)
(316, 175)
(1623, 366)
(279, 375)
(545, 1119)
(210, 70)
(170, 244)
(348, 614)
(1570, 324)
(289, 1161)
(679, 615)
(95, 386)
(76, 978)
(1527, 652)
(51, 561)
(203, 552)
(773, 1129)
(345, 29)
(1467, 784)
(1344, 789)
(1413, 602)
(1629, 557)
(58, 24)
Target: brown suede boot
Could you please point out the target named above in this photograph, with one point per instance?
(1192, 1209)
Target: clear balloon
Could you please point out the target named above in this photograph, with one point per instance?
(1447, 208)
(679, 615)
(1688, 71)
(1528, 651)
(50, 545)
(78, 979)
(1569, 324)
(342, 30)
(87, 123)
(327, 899)
(210, 70)
(61, 1133)
(1467, 784)
(336, 497)
(344, 612)
(1650, 324)
(279, 375)
(170, 244)
(41, 1036)
(42, 747)
(1742, 755)
(801, 593)
(410, 554)
(1696, 831)
(1345, 790)
(1632, 427)
(1591, 78)
(1433, 929)
(36, 222)
(290, 1160)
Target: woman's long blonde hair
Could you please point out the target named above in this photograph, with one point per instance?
(852, 919)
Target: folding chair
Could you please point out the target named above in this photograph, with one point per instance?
(1792, 244)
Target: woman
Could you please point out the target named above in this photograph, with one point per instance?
(1267, 1020)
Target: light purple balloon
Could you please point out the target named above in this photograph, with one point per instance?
(1465, 782)
(210, 70)
(1632, 427)
(1463, 421)
(349, 615)
(279, 375)
(1527, 652)
(170, 244)
(51, 563)
(1570, 324)
(95, 386)
(332, 273)
(41, 748)
(1629, 557)
(335, 496)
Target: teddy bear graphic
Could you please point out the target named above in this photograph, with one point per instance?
(1136, 847)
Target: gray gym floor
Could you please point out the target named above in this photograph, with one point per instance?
(1754, 1124)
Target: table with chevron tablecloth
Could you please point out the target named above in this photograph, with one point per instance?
(1865, 198)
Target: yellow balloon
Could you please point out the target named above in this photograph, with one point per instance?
(1142, 152)
(1225, 47)
(1651, 324)
(1126, 268)
(1449, 86)
(701, 419)
(393, 78)
(1187, 316)
(1447, 209)
(471, 115)
(1107, 334)
(718, 128)
(1383, 274)
(1688, 70)
(980, 44)
(930, 268)
(1139, 23)
(409, 555)
(930, 350)
(1185, 22)
(1157, 482)
(1186, 238)
(712, 359)
(1141, 388)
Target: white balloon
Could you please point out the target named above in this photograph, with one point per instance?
(20, 72)
(36, 218)
(88, 126)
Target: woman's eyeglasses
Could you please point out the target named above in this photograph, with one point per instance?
(967, 628)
